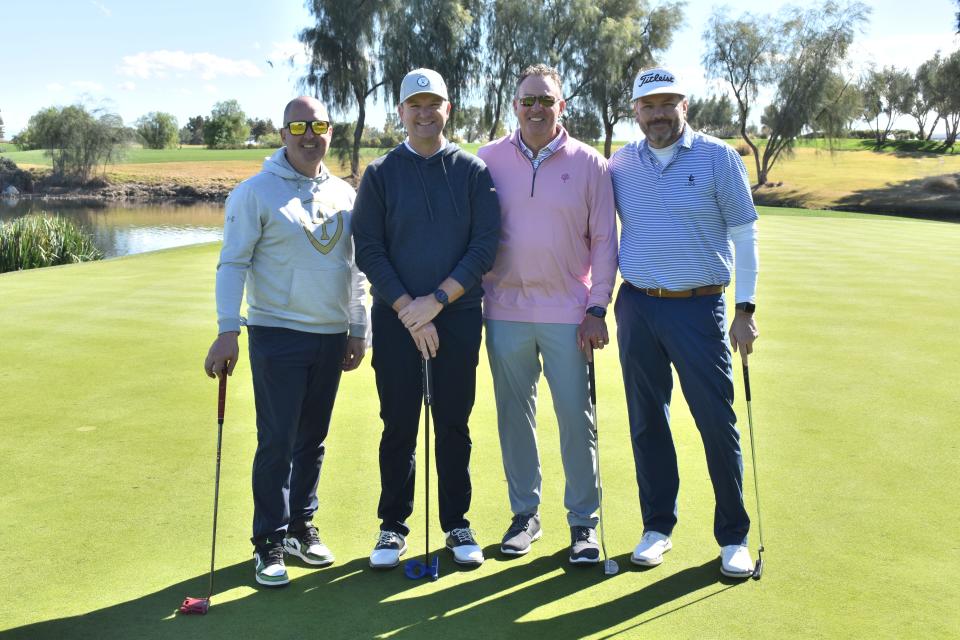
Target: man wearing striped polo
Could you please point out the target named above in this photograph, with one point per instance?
(685, 210)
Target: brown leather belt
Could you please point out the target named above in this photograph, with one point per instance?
(709, 290)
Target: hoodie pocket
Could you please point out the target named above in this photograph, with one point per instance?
(320, 296)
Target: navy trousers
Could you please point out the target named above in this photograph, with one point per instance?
(688, 333)
(295, 380)
(397, 362)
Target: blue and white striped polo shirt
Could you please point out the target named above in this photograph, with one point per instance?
(674, 219)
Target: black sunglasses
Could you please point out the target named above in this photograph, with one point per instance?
(545, 101)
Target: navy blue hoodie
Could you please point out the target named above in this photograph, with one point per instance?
(417, 221)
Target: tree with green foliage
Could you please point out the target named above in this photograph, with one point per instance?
(628, 37)
(509, 26)
(158, 130)
(713, 116)
(443, 35)
(799, 54)
(227, 127)
(945, 94)
(76, 140)
(887, 93)
(192, 132)
(260, 128)
(581, 121)
(1, 127)
(343, 69)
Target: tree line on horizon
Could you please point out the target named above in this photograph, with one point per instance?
(360, 52)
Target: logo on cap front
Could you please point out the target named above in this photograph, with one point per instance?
(422, 81)
(654, 77)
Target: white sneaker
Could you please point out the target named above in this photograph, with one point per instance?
(649, 553)
(390, 546)
(464, 547)
(735, 561)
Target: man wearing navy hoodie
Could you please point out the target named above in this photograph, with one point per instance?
(426, 226)
(287, 240)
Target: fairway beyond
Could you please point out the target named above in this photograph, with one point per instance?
(109, 435)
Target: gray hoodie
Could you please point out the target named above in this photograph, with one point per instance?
(288, 238)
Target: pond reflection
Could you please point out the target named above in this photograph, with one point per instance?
(128, 228)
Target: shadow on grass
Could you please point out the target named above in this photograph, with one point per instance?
(353, 601)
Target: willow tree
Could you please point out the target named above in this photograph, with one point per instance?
(798, 55)
(343, 69)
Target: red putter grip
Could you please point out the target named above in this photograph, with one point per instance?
(221, 400)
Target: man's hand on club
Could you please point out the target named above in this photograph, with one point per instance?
(427, 340)
(223, 353)
(592, 334)
(356, 348)
(419, 312)
(743, 333)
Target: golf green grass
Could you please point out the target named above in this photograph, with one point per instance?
(109, 434)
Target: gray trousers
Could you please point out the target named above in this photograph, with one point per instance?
(515, 350)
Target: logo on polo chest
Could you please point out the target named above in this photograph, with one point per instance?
(690, 181)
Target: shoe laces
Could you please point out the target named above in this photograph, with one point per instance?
(386, 539)
(309, 536)
(581, 534)
(463, 536)
(271, 554)
(520, 523)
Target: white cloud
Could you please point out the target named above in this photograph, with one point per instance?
(209, 88)
(56, 87)
(127, 86)
(103, 9)
(85, 85)
(292, 51)
(157, 64)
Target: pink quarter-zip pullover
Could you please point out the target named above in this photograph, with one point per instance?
(558, 237)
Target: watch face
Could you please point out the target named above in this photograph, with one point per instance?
(597, 312)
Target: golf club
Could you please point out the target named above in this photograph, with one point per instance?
(610, 566)
(201, 605)
(758, 567)
(416, 569)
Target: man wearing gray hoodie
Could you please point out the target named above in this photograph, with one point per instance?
(287, 239)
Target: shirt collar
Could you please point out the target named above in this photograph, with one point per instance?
(443, 145)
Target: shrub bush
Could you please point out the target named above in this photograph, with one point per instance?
(743, 149)
(42, 241)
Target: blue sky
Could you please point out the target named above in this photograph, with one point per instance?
(182, 56)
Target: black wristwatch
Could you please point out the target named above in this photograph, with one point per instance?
(597, 312)
(441, 297)
(749, 307)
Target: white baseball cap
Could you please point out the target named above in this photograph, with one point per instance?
(653, 81)
(422, 81)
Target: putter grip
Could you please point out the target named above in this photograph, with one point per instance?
(746, 382)
(222, 396)
(591, 374)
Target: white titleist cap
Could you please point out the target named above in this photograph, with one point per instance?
(653, 81)
(422, 81)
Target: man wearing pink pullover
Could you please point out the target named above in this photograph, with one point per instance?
(546, 298)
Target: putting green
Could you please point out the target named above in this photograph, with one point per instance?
(109, 435)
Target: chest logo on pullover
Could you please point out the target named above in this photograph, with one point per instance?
(325, 243)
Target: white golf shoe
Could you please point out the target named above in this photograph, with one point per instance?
(735, 561)
(649, 553)
(463, 545)
(386, 554)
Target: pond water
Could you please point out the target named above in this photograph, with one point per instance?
(121, 230)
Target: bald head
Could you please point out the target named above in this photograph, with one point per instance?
(301, 105)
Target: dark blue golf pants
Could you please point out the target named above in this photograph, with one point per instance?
(397, 362)
(688, 333)
(295, 380)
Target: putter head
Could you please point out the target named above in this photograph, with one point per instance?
(610, 568)
(758, 567)
(414, 569)
(198, 606)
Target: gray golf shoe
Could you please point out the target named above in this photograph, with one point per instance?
(524, 530)
(583, 546)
